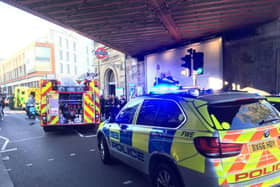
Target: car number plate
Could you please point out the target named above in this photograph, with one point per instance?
(263, 145)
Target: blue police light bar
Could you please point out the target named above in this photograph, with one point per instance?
(164, 89)
(173, 89)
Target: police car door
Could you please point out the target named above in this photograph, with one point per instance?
(121, 132)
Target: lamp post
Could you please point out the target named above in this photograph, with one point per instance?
(100, 54)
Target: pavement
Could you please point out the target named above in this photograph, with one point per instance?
(66, 157)
(4, 176)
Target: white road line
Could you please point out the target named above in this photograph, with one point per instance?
(9, 150)
(80, 134)
(51, 159)
(92, 150)
(127, 182)
(29, 165)
(6, 158)
(73, 154)
(27, 139)
(5, 144)
(90, 136)
(85, 136)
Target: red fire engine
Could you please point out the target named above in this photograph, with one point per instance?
(69, 105)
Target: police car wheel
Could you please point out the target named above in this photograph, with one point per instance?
(166, 176)
(104, 151)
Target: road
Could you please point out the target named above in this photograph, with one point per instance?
(63, 158)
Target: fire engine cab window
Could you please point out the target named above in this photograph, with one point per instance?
(245, 114)
(162, 113)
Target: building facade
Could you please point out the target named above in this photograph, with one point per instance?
(59, 53)
(120, 74)
(27, 67)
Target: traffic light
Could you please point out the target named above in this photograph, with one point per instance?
(187, 64)
(198, 62)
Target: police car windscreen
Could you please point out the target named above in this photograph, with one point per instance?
(243, 114)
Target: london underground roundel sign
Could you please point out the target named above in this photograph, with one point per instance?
(101, 53)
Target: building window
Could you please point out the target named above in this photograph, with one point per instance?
(76, 70)
(60, 55)
(74, 58)
(67, 43)
(24, 69)
(67, 56)
(68, 68)
(60, 41)
(74, 46)
(61, 68)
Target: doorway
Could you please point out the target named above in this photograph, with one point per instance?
(110, 82)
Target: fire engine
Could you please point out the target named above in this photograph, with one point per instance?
(64, 105)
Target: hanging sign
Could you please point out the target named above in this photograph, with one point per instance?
(101, 53)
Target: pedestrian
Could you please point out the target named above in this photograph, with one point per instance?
(122, 101)
(107, 107)
(30, 103)
(2, 106)
(113, 106)
(102, 107)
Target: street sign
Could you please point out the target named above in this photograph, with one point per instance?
(101, 53)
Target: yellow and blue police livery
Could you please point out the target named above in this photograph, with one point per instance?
(222, 139)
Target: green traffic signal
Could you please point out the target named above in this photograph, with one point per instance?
(199, 70)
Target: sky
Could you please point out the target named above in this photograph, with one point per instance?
(19, 29)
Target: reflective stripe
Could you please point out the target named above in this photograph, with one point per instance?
(53, 120)
(140, 138)
(161, 140)
(88, 108)
(113, 133)
(273, 99)
(126, 137)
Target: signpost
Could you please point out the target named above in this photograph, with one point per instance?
(100, 53)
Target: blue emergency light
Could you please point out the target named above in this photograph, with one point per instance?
(174, 89)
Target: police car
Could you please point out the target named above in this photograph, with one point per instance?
(228, 139)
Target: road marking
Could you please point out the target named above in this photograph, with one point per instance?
(80, 134)
(85, 136)
(92, 150)
(7, 169)
(29, 165)
(73, 154)
(9, 150)
(127, 182)
(6, 158)
(5, 144)
(27, 139)
(51, 159)
(90, 136)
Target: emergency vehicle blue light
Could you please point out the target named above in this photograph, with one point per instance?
(164, 88)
